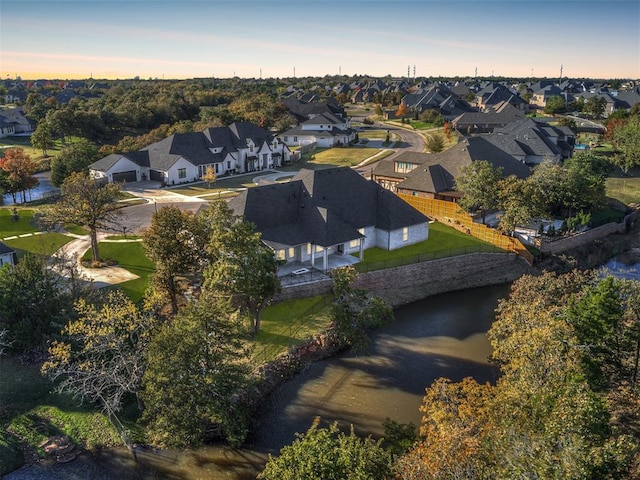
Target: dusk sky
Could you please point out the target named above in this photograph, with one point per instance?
(247, 38)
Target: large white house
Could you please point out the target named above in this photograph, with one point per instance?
(184, 157)
(325, 130)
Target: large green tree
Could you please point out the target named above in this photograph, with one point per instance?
(479, 182)
(354, 312)
(34, 302)
(330, 454)
(626, 139)
(89, 203)
(196, 364)
(176, 242)
(75, 157)
(241, 266)
(42, 138)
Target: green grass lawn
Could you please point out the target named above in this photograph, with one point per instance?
(24, 224)
(625, 189)
(76, 229)
(443, 241)
(30, 412)
(131, 256)
(44, 244)
(290, 322)
(344, 156)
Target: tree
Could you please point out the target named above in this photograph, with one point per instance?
(353, 313)
(42, 138)
(479, 182)
(176, 242)
(595, 106)
(89, 203)
(75, 157)
(209, 176)
(555, 104)
(20, 169)
(378, 110)
(329, 454)
(102, 358)
(196, 364)
(586, 181)
(33, 302)
(242, 267)
(401, 111)
(626, 139)
(435, 143)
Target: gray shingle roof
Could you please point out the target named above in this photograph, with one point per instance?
(324, 207)
(4, 249)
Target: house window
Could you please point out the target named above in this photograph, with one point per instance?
(308, 249)
(286, 139)
(295, 139)
(251, 148)
(353, 243)
(228, 165)
(292, 252)
(217, 167)
(281, 254)
(405, 234)
(182, 173)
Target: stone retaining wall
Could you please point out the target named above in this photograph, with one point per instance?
(583, 238)
(409, 283)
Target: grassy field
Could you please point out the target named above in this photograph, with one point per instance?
(30, 413)
(44, 244)
(10, 227)
(290, 322)
(131, 256)
(625, 189)
(344, 157)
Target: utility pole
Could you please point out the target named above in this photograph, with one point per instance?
(414, 73)
(408, 72)
(294, 71)
(561, 72)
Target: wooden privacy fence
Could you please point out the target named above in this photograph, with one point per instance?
(442, 210)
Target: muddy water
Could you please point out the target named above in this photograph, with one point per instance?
(440, 336)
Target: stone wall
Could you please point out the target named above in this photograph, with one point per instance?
(579, 239)
(409, 283)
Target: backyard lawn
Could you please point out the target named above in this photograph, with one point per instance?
(45, 244)
(625, 189)
(290, 322)
(444, 241)
(10, 227)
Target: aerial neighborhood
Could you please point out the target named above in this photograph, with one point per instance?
(174, 251)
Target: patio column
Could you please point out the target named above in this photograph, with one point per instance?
(325, 260)
(361, 253)
(313, 255)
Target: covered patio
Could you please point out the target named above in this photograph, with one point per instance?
(295, 273)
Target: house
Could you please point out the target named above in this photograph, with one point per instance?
(436, 97)
(334, 211)
(432, 175)
(13, 121)
(184, 157)
(496, 93)
(325, 130)
(541, 96)
(497, 116)
(7, 255)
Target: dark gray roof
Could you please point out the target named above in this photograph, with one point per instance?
(324, 207)
(4, 249)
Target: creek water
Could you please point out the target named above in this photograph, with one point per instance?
(441, 336)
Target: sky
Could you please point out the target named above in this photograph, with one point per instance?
(177, 39)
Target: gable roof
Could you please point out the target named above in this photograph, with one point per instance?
(324, 207)
(5, 249)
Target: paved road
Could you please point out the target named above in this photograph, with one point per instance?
(411, 142)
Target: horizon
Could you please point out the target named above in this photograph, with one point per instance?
(279, 39)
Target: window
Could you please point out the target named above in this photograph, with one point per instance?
(286, 139)
(251, 148)
(295, 139)
(405, 234)
(182, 173)
(281, 255)
(292, 252)
(308, 249)
(228, 165)
(354, 243)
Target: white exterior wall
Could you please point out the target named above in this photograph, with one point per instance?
(191, 172)
(299, 140)
(122, 165)
(6, 258)
(7, 131)
(416, 233)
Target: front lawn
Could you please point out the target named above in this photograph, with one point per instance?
(45, 244)
(130, 256)
(10, 227)
(340, 156)
(444, 241)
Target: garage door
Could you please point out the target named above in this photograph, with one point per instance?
(129, 176)
(156, 176)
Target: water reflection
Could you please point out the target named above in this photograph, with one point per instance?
(626, 265)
